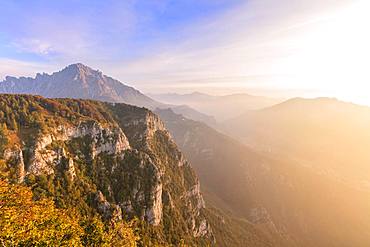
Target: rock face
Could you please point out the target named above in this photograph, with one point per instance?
(154, 213)
(120, 156)
(103, 140)
(147, 132)
(15, 156)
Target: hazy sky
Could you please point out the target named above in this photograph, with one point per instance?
(270, 47)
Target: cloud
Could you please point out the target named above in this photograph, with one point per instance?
(11, 67)
(33, 46)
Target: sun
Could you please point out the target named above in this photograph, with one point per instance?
(331, 56)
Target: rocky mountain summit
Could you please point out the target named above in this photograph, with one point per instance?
(77, 81)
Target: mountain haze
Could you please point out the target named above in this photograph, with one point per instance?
(323, 133)
(221, 107)
(299, 205)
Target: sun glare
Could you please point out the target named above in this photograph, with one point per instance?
(332, 56)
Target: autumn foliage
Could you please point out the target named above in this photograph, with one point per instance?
(25, 222)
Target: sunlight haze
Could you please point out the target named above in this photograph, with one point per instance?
(197, 123)
(272, 48)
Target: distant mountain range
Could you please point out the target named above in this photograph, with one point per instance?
(221, 107)
(292, 198)
(330, 135)
(82, 82)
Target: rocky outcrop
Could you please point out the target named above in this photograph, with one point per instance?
(202, 229)
(194, 200)
(141, 128)
(153, 124)
(103, 140)
(15, 157)
(145, 196)
(106, 209)
(71, 169)
(42, 159)
(153, 214)
(195, 195)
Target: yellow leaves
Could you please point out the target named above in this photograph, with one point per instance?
(99, 234)
(122, 234)
(29, 223)
(24, 222)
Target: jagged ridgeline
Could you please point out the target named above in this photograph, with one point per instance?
(112, 160)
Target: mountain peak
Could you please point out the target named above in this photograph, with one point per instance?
(79, 68)
(77, 81)
(78, 65)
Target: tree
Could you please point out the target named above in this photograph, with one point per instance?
(3, 138)
(24, 222)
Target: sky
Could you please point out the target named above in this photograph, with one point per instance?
(266, 47)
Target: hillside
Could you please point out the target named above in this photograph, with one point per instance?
(110, 160)
(281, 195)
(323, 133)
